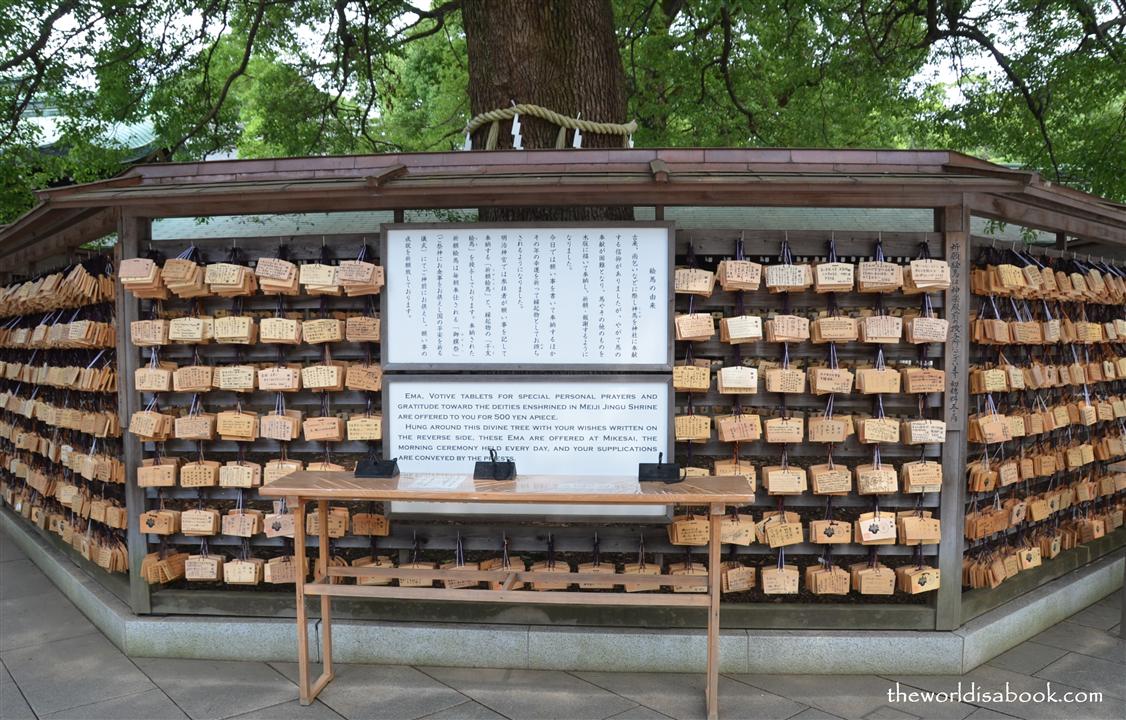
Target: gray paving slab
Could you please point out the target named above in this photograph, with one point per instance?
(850, 696)
(886, 712)
(1113, 600)
(9, 550)
(532, 694)
(987, 714)
(681, 695)
(814, 714)
(292, 710)
(20, 578)
(37, 619)
(148, 705)
(76, 671)
(1099, 616)
(368, 692)
(1088, 673)
(214, 689)
(1085, 640)
(1028, 658)
(640, 713)
(470, 711)
(12, 704)
(995, 680)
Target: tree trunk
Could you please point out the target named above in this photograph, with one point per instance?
(561, 54)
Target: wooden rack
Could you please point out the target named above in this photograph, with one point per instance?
(299, 488)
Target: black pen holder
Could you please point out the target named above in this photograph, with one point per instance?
(659, 472)
(376, 468)
(494, 470)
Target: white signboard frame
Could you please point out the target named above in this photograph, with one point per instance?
(488, 389)
(403, 343)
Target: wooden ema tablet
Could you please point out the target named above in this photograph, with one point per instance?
(881, 329)
(692, 569)
(782, 380)
(193, 378)
(280, 570)
(692, 428)
(828, 479)
(323, 330)
(833, 277)
(737, 380)
(823, 580)
(360, 278)
(780, 581)
(364, 377)
(740, 468)
(740, 329)
(824, 380)
(693, 281)
(784, 430)
(834, 329)
(923, 432)
(236, 378)
(281, 427)
(280, 379)
(691, 378)
(200, 522)
(365, 427)
(240, 475)
(834, 429)
(875, 276)
(734, 275)
(362, 328)
(787, 328)
(873, 480)
(743, 427)
(736, 577)
(830, 532)
(784, 481)
(694, 327)
(280, 331)
(788, 277)
(318, 278)
(874, 381)
(191, 330)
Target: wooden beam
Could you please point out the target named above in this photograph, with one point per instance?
(1015, 210)
(385, 175)
(954, 224)
(132, 234)
(660, 170)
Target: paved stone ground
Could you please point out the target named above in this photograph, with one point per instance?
(55, 664)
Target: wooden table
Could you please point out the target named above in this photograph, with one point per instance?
(299, 488)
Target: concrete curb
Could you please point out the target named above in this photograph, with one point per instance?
(581, 648)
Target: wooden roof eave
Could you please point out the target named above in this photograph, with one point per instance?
(620, 188)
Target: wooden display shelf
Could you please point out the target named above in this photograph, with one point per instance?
(717, 493)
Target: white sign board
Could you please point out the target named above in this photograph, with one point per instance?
(597, 428)
(508, 297)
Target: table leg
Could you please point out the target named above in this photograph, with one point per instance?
(297, 507)
(714, 591)
(326, 601)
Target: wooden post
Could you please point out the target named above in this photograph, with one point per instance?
(714, 591)
(954, 224)
(326, 600)
(132, 233)
(297, 507)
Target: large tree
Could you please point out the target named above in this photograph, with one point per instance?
(1042, 84)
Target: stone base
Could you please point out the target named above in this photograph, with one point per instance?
(576, 648)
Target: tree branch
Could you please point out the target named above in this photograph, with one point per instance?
(238, 72)
(45, 30)
(725, 70)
